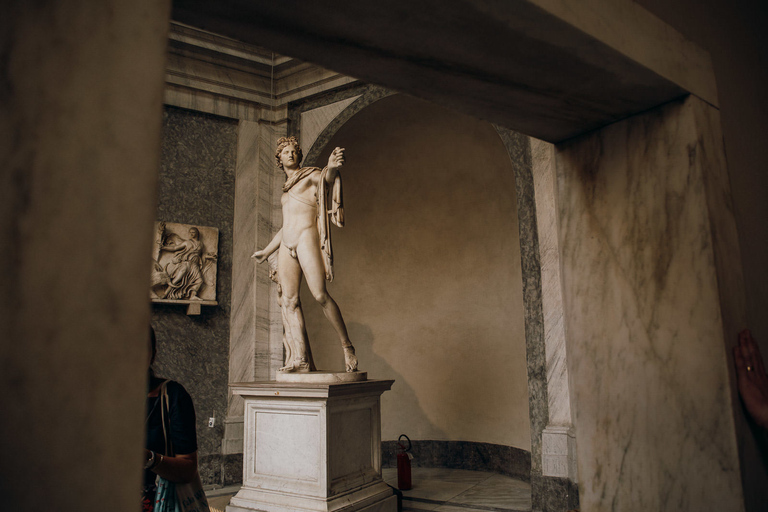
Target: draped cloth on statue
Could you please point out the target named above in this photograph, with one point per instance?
(324, 215)
(185, 271)
(298, 176)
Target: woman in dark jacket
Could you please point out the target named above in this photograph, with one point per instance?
(180, 427)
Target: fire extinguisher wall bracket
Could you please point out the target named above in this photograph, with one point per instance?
(404, 465)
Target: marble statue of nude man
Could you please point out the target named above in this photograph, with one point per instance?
(311, 201)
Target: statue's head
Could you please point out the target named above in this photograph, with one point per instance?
(284, 142)
(194, 233)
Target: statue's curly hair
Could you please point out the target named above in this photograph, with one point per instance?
(282, 142)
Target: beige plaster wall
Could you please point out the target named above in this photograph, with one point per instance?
(428, 273)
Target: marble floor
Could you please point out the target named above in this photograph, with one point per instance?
(441, 490)
(458, 490)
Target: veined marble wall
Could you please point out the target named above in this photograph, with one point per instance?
(197, 186)
(642, 207)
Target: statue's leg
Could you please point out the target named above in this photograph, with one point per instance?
(197, 281)
(286, 335)
(290, 273)
(311, 261)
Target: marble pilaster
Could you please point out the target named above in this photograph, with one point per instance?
(558, 437)
(243, 323)
(549, 491)
(641, 212)
(255, 350)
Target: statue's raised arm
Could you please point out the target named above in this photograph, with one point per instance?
(335, 161)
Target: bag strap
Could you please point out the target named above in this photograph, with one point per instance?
(165, 408)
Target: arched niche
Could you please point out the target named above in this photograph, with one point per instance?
(514, 150)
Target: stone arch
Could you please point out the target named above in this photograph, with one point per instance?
(372, 94)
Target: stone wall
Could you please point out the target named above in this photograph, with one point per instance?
(197, 184)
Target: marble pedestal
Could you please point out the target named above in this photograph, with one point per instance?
(312, 447)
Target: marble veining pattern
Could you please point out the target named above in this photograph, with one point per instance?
(255, 346)
(243, 323)
(730, 278)
(519, 150)
(558, 393)
(644, 321)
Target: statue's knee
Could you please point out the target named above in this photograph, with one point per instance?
(291, 303)
(322, 298)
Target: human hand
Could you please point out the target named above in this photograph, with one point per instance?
(752, 380)
(147, 456)
(336, 159)
(259, 256)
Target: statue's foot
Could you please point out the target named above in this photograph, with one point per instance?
(296, 366)
(350, 358)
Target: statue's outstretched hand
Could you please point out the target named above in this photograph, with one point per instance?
(259, 256)
(336, 159)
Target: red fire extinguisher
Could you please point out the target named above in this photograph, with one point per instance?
(404, 465)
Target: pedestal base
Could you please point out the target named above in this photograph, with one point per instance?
(321, 377)
(312, 447)
(263, 502)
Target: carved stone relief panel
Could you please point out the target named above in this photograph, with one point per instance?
(184, 265)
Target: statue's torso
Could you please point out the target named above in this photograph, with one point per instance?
(300, 209)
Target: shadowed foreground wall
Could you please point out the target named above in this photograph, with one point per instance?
(80, 98)
(197, 185)
(733, 32)
(428, 273)
(650, 286)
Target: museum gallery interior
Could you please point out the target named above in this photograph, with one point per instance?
(543, 222)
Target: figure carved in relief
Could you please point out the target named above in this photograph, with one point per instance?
(183, 276)
(311, 201)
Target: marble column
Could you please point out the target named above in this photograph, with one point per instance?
(80, 118)
(256, 349)
(652, 293)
